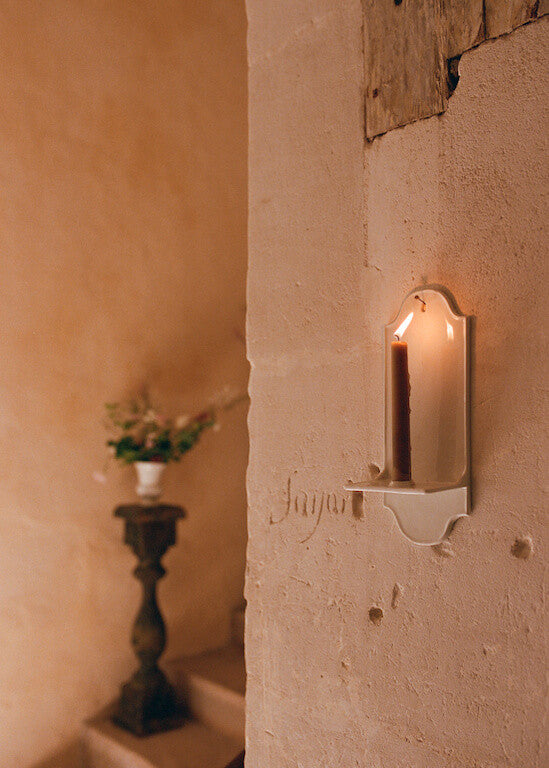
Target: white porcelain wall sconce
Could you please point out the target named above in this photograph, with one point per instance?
(426, 476)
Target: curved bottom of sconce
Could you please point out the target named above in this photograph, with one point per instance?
(427, 519)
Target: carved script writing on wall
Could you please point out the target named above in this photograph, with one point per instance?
(310, 505)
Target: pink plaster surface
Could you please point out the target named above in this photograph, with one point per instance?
(451, 675)
(122, 263)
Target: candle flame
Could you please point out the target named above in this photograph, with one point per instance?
(449, 331)
(402, 327)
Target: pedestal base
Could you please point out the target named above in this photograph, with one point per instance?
(149, 705)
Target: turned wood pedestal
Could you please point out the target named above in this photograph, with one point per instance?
(148, 703)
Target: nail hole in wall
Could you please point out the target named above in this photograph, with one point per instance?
(452, 75)
(376, 615)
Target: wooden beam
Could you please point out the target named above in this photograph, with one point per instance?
(465, 27)
(408, 45)
(404, 62)
(505, 15)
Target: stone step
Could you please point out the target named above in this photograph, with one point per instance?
(214, 684)
(216, 687)
(104, 745)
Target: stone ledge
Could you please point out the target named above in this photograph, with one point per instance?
(104, 745)
(214, 684)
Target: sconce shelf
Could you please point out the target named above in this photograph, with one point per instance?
(427, 418)
(416, 490)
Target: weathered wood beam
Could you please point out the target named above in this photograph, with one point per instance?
(505, 15)
(465, 25)
(408, 45)
(404, 62)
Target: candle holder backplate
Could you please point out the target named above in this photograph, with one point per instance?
(438, 338)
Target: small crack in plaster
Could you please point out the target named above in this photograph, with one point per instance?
(396, 595)
(444, 549)
(285, 364)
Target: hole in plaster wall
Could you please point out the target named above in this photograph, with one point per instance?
(376, 615)
(522, 548)
(452, 75)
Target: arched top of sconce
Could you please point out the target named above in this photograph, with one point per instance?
(419, 296)
(419, 291)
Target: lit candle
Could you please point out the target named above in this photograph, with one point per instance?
(400, 390)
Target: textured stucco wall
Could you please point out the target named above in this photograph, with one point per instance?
(452, 676)
(122, 262)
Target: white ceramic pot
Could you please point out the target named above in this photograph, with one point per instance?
(149, 474)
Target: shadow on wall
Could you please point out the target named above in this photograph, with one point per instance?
(69, 757)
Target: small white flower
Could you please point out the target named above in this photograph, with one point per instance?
(226, 396)
(182, 421)
(150, 416)
(111, 450)
(100, 477)
(216, 427)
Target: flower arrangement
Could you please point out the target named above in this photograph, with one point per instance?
(140, 433)
(142, 436)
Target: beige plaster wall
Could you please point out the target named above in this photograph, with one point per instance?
(453, 674)
(122, 263)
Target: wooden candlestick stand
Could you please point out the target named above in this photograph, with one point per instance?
(148, 703)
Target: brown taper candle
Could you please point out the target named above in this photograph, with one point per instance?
(402, 470)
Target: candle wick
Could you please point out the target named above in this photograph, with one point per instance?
(397, 337)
